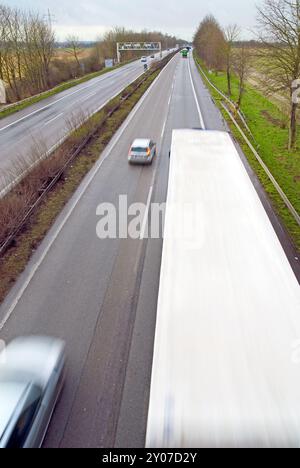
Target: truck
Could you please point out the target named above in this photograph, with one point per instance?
(184, 53)
(227, 342)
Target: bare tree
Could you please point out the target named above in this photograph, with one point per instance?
(232, 33)
(32, 65)
(10, 49)
(279, 33)
(46, 47)
(74, 48)
(4, 12)
(210, 43)
(26, 50)
(242, 65)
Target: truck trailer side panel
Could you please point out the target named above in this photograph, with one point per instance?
(226, 368)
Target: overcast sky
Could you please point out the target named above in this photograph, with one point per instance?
(90, 18)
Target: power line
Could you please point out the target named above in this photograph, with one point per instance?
(50, 18)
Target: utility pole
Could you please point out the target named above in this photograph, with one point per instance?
(118, 53)
(2, 93)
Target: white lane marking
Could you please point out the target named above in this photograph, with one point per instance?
(88, 96)
(196, 99)
(54, 118)
(80, 192)
(42, 108)
(128, 73)
(164, 127)
(168, 109)
(146, 215)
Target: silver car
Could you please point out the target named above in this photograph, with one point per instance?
(142, 151)
(31, 379)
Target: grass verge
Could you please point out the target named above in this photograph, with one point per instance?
(58, 89)
(269, 127)
(16, 258)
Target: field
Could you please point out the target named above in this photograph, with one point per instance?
(257, 79)
(65, 55)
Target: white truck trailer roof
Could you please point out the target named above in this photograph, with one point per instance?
(226, 369)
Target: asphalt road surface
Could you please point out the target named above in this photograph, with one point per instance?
(46, 123)
(100, 296)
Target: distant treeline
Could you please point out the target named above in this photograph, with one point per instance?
(31, 61)
(106, 46)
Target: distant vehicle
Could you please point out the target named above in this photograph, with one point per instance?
(184, 53)
(142, 151)
(152, 56)
(228, 319)
(31, 379)
(144, 59)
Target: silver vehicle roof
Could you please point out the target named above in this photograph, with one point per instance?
(10, 395)
(141, 143)
(30, 359)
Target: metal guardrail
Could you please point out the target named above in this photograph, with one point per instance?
(230, 101)
(46, 189)
(282, 194)
(276, 185)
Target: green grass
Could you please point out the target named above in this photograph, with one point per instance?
(270, 129)
(58, 89)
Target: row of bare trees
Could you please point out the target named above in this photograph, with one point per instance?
(277, 51)
(26, 49)
(217, 48)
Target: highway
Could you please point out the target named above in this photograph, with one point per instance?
(46, 122)
(100, 296)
